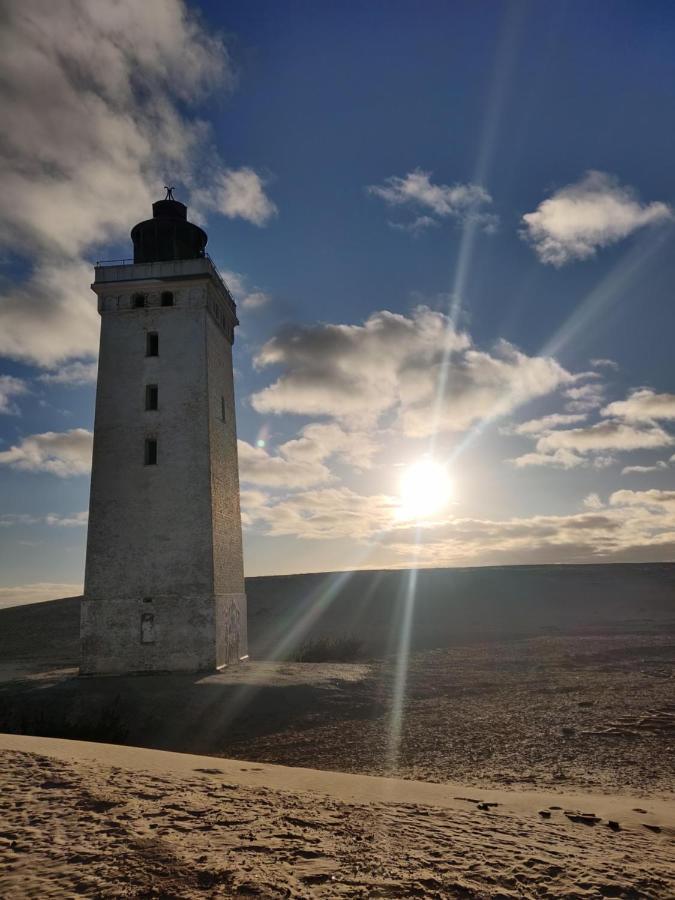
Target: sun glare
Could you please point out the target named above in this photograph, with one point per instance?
(425, 489)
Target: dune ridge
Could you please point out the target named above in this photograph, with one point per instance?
(111, 821)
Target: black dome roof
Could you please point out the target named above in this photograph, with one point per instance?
(168, 235)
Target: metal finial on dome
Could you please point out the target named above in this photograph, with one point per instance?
(169, 192)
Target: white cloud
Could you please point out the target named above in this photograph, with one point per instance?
(560, 459)
(237, 193)
(604, 364)
(51, 316)
(257, 466)
(255, 300)
(326, 514)
(592, 446)
(73, 374)
(634, 525)
(664, 501)
(63, 453)
(22, 594)
(243, 296)
(611, 435)
(75, 520)
(300, 462)
(319, 442)
(99, 96)
(633, 426)
(415, 191)
(545, 423)
(416, 226)
(393, 364)
(643, 405)
(582, 217)
(641, 470)
(10, 388)
(585, 397)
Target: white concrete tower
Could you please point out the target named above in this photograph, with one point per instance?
(164, 580)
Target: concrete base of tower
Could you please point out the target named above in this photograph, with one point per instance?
(129, 635)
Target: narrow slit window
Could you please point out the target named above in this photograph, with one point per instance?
(222, 408)
(152, 343)
(150, 452)
(151, 396)
(138, 301)
(147, 628)
(167, 298)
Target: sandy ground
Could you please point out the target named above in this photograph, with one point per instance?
(584, 712)
(103, 821)
(541, 689)
(591, 712)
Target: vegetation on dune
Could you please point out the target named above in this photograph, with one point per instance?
(324, 649)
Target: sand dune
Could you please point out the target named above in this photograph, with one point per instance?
(544, 690)
(107, 821)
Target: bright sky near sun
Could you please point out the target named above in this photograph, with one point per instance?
(449, 230)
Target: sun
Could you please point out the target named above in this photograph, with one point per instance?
(424, 490)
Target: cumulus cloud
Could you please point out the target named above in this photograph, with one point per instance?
(643, 405)
(318, 442)
(50, 316)
(627, 425)
(433, 202)
(237, 193)
(73, 374)
(611, 435)
(580, 218)
(301, 462)
(329, 513)
(663, 501)
(257, 466)
(10, 388)
(244, 296)
(393, 364)
(99, 96)
(585, 397)
(64, 453)
(562, 458)
(633, 525)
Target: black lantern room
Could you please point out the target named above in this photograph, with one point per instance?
(168, 235)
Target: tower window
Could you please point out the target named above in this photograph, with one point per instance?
(150, 452)
(138, 301)
(152, 343)
(167, 298)
(222, 408)
(151, 396)
(147, 628)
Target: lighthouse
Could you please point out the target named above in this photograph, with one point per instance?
(164, 580)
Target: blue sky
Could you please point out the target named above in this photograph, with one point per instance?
(462, 212)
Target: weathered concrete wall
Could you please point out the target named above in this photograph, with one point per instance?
(181, 636)
(164, 540)
(228, 564)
